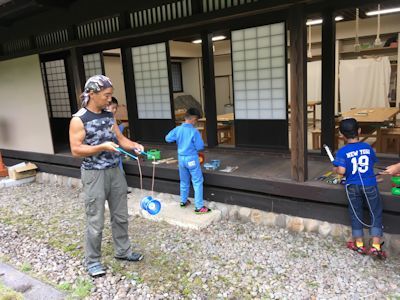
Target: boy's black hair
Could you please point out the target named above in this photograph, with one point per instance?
(192, 112)
(114, 100)
(349, 128)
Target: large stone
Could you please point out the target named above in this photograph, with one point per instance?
(244, 214)
(39, 177)
(346, 232)
(280, 221)
(325, 229)
(212, 205)
(65, 181)
(60, 179)
(256, 216)
(53, 178)
(337, 230)
(269, 219)
(224, 210)
(295, 224)
(233, 213)
(45, 177)
(395, 244)
(311, 225)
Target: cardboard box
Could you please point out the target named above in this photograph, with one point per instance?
(22, 170)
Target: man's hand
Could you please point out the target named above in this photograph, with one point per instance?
(392, 170)
(138, 148)
(109, 146)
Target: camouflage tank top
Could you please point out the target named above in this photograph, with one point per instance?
(98, 128)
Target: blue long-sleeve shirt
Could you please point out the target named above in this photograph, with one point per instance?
(187, 138)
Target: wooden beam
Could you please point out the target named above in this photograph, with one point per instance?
(298, 96)
(78, 74)
(130, 92)
(328, 80)
(398, 74)
(210, 106)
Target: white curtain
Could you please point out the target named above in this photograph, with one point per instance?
(314, 81)
(364, 83)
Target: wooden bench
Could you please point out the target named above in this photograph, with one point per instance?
(316, 138)
(225, 134)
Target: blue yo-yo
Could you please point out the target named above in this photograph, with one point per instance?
(151, 205)
(216, 163)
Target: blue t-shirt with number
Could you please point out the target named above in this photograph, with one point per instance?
(358, 159)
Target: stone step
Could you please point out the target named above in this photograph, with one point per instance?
(171, 212)
(8, 182)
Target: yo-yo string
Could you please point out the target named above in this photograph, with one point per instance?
(140, 175)
(152, 179)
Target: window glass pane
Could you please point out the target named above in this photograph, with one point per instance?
(260, 51)
(57, 94)
(153, 95)
(176, 72)
(92, 65)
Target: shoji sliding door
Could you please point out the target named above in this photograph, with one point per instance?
(260, 91)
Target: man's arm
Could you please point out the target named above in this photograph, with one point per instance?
(392, 169)
(124, 142)
(77, 136)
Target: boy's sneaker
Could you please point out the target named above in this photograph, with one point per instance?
(352, 245)
(378, 253)
(203, 210)
(184, 204)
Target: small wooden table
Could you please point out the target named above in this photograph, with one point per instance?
(376, 115)
(374, 118)
(313, 106)
(225, 126)
(229, 117)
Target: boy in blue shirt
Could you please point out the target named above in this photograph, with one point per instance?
(189, 143)
(356, 161)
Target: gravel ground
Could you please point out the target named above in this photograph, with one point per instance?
(41, 232)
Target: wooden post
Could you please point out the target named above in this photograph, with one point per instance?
(78, 73)
(130, 92)
(298, 94)
(210, 106)
(398, 74)
(328, 80)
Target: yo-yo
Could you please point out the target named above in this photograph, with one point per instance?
(201, 158)
(395, 185)
(151, 205)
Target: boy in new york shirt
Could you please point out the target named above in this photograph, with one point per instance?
(356, 161)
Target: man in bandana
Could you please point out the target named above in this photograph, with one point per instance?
(92, 133)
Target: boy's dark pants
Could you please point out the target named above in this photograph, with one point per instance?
(357, 197)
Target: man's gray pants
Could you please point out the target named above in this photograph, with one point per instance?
(99, 186)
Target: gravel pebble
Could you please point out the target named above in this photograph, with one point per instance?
(42, 229)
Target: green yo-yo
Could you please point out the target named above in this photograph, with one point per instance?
(396, 180)
(153, 154)
(395, 191)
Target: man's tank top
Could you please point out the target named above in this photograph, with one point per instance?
(98, 129)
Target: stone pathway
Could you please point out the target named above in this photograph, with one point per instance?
(226, 260)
